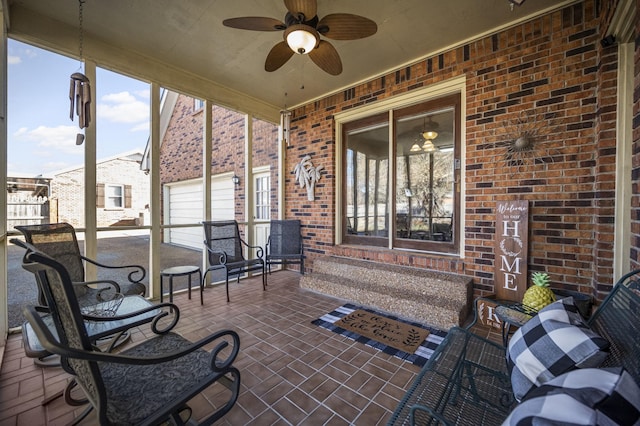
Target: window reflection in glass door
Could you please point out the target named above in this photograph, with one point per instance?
(367, 182)
(425, 176)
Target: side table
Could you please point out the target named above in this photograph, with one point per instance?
(179, 271)
(515, 315)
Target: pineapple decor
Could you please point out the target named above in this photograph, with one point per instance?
(539, 294)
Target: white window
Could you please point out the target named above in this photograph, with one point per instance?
(114, 196)
(263, 192)
(198, 104)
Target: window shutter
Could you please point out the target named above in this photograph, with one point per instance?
(100, 195)
(127, 196)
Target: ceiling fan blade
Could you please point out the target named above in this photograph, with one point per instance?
(255, 23)
(345, 26)
(326, 57)
(309, 8)
(278, 56)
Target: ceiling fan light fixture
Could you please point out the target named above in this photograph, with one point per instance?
(301, 38)
(429, 134)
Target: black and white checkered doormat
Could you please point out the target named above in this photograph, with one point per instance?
(419, 358)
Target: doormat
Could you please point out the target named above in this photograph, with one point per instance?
(398, 335)
(380, 331)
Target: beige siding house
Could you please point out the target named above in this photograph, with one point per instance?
(122, 192)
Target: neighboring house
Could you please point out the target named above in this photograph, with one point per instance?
(181, 126)
(122, 191)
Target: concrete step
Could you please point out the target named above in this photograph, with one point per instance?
(439, 299)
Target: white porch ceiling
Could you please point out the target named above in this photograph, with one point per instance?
(182, 44)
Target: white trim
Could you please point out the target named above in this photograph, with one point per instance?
(448, 87)
(262, 169)
(622, 27)
(4, 324)
(437, 90)
(624, 142)
(622, 23)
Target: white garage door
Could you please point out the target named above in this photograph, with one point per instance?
(183, 205)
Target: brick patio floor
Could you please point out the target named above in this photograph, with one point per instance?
(292, 372)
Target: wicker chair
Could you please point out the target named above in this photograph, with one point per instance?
(146, 384)
(284, 245)
(58, 240)
(225, 250)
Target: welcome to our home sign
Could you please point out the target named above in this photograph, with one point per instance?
(512, 230)
(511, 243)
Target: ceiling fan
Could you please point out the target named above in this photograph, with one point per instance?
(302, 29)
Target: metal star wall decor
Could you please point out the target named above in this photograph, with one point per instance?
(525, 143)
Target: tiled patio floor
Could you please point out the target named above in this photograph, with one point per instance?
(292, 372)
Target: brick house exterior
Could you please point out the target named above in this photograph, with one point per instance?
(181, 149)
(122, 171)
(554, 65)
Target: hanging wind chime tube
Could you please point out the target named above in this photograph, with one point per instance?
(80, 96)
(80, 89)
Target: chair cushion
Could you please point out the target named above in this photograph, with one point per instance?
(553, 342)
(607, 396)
(134, 392)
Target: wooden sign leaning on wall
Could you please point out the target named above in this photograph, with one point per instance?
(512, 241)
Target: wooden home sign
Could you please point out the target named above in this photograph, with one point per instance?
(512, 230)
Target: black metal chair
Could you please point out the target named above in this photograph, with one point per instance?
(284, 245)
(146, 384)
(59, 241)
(225, 252)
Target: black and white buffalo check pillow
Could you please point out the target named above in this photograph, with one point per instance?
(589, 396)
(551, 343)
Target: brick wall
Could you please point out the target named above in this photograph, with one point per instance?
(552, 67)
(181, 152)
(68, 190)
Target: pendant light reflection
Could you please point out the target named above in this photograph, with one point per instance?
(428, 146)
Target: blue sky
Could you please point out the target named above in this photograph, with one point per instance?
(41, 136)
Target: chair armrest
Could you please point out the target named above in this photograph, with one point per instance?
(109, 284)
(138, 269)
(418, 407)
(221, 254)
(259, 250)
(51, 344)
(173, 310)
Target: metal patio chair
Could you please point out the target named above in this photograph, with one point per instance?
(58, 240)
(146, 384)
(284, 245)
(225, 252)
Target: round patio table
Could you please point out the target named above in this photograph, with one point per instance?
(180, 271)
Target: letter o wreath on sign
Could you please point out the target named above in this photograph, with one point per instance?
(508, 252)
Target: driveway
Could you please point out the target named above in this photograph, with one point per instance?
(115, 248)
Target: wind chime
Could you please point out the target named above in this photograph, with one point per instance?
(80, 88)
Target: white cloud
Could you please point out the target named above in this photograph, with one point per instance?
(61, 138)
(144, 94)
(13, 60)
(122, 107)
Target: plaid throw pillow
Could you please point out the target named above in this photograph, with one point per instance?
(607, 396)
(551, 343)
